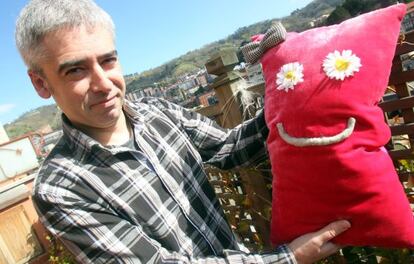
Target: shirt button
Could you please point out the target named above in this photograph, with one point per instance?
(203, 228)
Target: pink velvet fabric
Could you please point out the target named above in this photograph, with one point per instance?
(354, 179)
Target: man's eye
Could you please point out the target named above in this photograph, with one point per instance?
(110, 60)
(74, 71)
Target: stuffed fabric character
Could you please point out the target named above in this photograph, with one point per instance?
(327, 132)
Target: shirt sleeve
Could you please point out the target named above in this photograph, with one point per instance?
(94, 235)
(243, 145)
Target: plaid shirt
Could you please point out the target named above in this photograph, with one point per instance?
(114, 204)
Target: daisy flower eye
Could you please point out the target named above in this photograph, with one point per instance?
(339, 65)
(289, 75)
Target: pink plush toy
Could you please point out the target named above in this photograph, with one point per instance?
(327, 132)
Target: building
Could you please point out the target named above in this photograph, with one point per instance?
(202, 80)
(23, 238)
(3, 135)
(408, 21)
(207, 99)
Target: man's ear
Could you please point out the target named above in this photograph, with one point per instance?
(40, 84)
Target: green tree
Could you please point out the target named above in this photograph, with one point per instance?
(354, 7)
(184, 68)
(338, 15)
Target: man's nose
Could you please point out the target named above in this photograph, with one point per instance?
(100, 81)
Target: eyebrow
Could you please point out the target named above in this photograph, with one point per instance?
(72, 63)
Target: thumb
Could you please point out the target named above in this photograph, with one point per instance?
(333, 229)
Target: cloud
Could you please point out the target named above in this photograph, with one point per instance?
(4, 108)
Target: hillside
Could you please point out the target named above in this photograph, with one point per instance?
(298, 20)
(34, 120)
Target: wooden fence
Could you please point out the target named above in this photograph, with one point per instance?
(398, 105)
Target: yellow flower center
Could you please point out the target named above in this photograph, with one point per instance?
(290, 75)
(341, 64)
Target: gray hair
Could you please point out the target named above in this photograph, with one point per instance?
(40, 17)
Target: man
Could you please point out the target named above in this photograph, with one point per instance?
(125, 184)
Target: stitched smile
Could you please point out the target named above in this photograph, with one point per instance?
(317, 141)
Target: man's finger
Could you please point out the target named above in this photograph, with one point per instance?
(329, 248)
(333, 229)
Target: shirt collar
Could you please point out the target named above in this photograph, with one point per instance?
(81, 142)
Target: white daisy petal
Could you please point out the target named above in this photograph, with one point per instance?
(337, 65)
(289, 75)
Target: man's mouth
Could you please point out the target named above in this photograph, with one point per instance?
(316, 141)
(104, 103)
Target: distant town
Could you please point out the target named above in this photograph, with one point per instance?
(190, 90)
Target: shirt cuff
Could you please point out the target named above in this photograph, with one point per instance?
(261, 124)
(286, 254)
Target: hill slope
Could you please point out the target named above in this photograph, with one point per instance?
(34, 120)
(298, 20)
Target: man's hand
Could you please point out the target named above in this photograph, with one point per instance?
(315, 246)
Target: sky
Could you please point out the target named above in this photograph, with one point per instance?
(148, 34)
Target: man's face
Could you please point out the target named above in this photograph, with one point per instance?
(82, 73)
